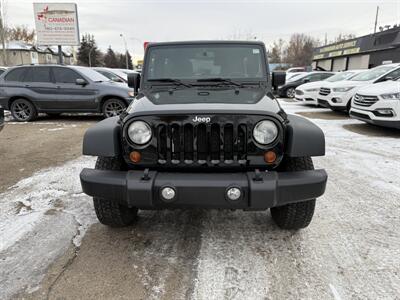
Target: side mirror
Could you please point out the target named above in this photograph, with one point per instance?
(305, 80)
(81, 81)
(278, 79)
(134, 82)
(388, 78)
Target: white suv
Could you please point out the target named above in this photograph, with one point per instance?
(337, 95)
(378, 104)
(308, 92)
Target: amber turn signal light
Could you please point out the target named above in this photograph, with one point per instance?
(270, 157)
(135, 156)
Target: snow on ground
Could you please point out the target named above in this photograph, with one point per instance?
(350, 250)
(39, 217)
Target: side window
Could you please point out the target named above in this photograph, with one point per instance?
(16, 74)
(38, 74)
(325, 75)
(394, 74)
(65, 75)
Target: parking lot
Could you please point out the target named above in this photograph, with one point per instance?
(54, 247)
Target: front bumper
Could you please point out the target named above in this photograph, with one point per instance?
(335, 100)
(369, 117)
(260, 190)
(307, 97)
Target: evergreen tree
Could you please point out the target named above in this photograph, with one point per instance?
(110, 59)
(130, 63)
(122, 61)
(88, 45)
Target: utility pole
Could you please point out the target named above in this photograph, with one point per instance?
(3, 35)
(376, 18)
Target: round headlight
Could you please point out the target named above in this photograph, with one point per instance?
(139, 132)
(265, 132)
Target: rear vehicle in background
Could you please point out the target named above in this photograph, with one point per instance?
(337, 95)
(113, 74)
(288, 89)
(54, 89)
(308, 92)
(296, 70)
(378, 104)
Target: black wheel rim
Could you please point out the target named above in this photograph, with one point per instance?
(113, 108)
(290, 93)
(22, 111)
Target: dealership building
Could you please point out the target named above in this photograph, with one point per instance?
(360, 53)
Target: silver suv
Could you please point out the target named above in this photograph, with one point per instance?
(55, 89)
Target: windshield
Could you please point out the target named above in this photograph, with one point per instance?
(194, 62)
(372, 74)
(92, 74)
(340, 76)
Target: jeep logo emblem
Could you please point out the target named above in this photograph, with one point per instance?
(198, 119)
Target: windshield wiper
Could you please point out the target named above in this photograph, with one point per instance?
(174, 81)
(221, 80)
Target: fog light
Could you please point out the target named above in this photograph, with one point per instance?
(270, 157)
(337, 100)
(384, 112)
(168, 193)
(135, 156)
(233, 193)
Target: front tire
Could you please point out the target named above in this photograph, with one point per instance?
(113, 107)
(110, 212)
(23, 110)
(295, 215)
(290, 93)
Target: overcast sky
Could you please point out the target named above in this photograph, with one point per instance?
(166, 20)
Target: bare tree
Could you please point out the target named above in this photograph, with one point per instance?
(21, 33)
(277, 51)
(343, 37)
(3, 34)
(300, 49)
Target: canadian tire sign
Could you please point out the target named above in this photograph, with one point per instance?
(56, 24)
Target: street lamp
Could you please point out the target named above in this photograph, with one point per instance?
(126, 51)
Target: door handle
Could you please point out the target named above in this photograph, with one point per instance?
(27, 85)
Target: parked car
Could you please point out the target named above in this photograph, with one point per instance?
(297, 69)
(308, 92)
(1, 118)
(128, 71)
(292, 76)
(54, 89)
(288, 89)
(113, 74)
(225, 144)
(3, 69)
(378, 104)
(337, 95)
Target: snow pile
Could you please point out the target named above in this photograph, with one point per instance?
(39, 217)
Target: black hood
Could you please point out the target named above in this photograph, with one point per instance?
(199, 100)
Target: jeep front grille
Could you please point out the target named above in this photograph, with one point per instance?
(365, 101)
(201, 143)
(324, 91)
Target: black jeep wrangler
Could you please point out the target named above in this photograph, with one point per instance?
(204, 131)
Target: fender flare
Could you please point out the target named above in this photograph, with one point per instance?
(103, 139)
(303, 138)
